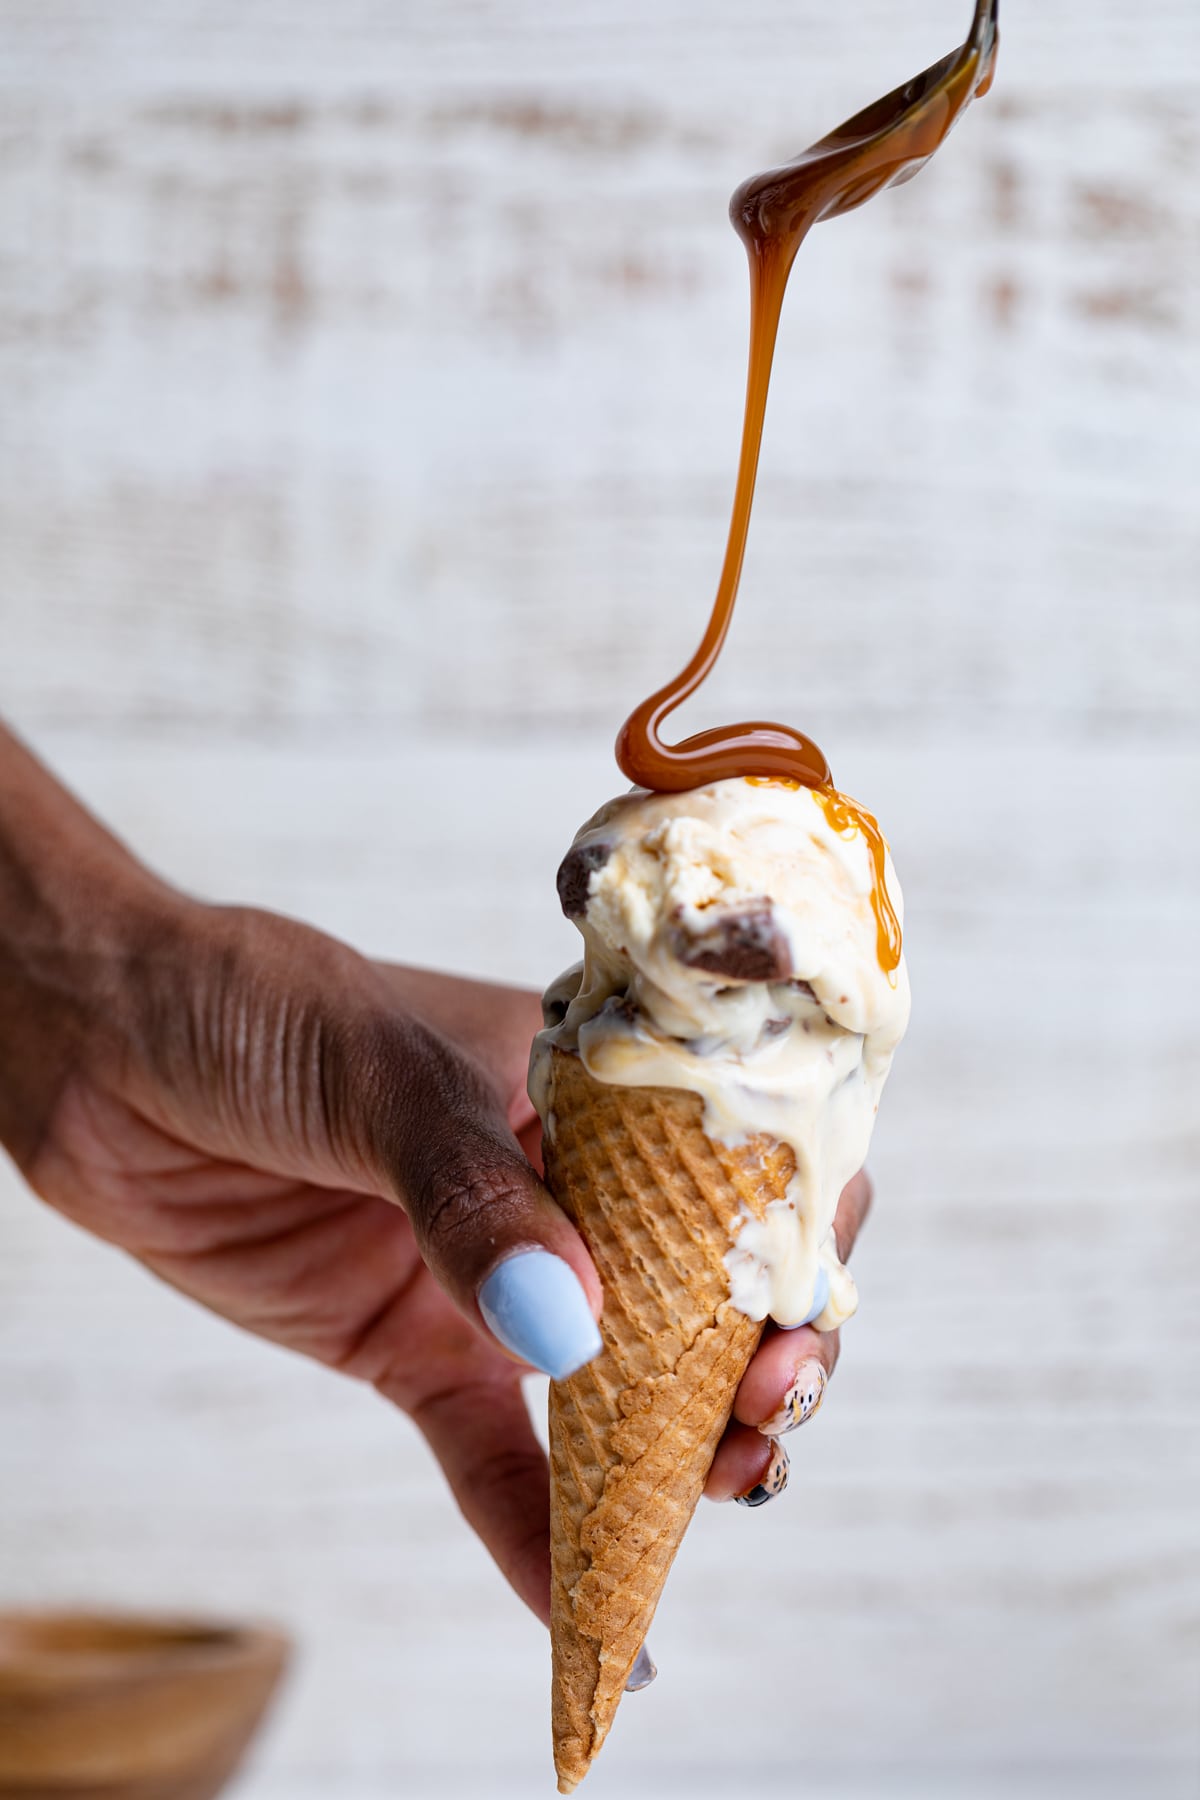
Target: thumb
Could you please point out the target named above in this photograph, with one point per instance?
(486, 1226)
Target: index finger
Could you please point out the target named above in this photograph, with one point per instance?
(480, 1432)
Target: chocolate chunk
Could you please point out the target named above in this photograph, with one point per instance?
(741, 946)
(575, 875)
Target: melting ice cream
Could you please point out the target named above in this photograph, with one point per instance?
(730, 948)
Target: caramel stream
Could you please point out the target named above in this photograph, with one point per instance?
(772, 213)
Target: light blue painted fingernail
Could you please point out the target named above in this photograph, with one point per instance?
(820, 1296)
(534, 1303)
(820, 1302)
(642, 1672)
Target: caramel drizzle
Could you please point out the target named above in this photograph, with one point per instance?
(847, 816)
(772, 213)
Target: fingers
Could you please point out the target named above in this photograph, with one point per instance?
(853, 1208)
(529, 1136)
(486, 1226)
(493, 1024)
(748, 1468)
(782, 1389)
(497, 1471)
(784, 1385)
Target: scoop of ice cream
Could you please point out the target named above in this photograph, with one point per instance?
(731, 948)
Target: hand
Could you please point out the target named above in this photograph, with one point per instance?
(783, 1387)
(244, 1118)
(325, 1150)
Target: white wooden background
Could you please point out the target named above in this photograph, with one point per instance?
(369, 382)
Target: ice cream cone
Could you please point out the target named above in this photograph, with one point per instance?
(633, 1434)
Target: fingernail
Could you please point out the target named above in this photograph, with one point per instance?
(642, 1672)
(821, 1300)
(801, 1401)
(820, 1297)
(773, 1482)
(535, 1304)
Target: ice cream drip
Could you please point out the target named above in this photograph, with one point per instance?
(731, 949)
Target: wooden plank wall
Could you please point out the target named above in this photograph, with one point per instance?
(369, 383)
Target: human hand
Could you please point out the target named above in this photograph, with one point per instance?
(319, 1149)
(326, 1150)
(783, 1386)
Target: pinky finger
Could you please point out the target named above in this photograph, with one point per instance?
(748, 1467)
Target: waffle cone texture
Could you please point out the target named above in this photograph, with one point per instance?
(632, 1435)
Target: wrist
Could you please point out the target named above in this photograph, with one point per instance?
(73, 906)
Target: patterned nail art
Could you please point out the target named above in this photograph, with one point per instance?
(801, 1401)
(774, 1480)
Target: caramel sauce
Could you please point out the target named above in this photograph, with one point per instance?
(846, 816)
(772, 213)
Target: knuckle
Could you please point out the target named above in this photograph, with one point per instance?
(468, 1203)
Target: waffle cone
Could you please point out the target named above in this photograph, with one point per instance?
(633, 1434)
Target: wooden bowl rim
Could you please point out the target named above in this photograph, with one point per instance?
(163, 1644)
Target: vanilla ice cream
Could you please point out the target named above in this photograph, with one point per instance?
(732, 947)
